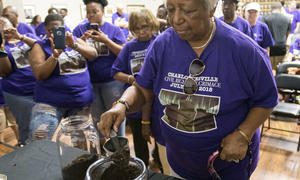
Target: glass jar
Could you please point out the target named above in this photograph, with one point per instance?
(78, 146)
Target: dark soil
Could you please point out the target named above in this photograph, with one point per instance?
(76, 170)
(115, 172)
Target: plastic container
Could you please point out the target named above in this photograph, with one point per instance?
(78, 146)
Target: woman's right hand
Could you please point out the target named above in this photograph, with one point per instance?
(112, 119)
(56, 52)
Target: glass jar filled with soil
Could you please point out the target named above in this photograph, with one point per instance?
(78, 146)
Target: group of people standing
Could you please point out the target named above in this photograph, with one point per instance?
(197, 85)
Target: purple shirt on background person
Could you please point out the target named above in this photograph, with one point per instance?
(125, 17)
(295, 20)
(242, 25)
(2, 102)
(69, 84)
(100, 68)
(25, 29)
(41, 31)
(21, 81)
(237, 77)
(295, 49)
(262, 35)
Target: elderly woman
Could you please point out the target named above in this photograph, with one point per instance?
(18, 82)
(235, 92)
(63, 87)
(108, 40)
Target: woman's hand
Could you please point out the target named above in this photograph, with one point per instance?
(86, 35)
(98, 36)
(146, 132)
(112, 119)
(70, 42)
(12, 33)
(234, 147)
(56, 52)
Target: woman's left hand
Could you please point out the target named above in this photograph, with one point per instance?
(98, 36)
(234, 147)
(13, 33)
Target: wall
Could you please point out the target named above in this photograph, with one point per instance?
(74, 6)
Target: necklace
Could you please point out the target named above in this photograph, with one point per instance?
(210, 36)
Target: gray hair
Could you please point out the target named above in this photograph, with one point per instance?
(6, 22)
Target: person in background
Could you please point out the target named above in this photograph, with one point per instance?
(18, 82)
(240, 11)
(280, 26)
(12, 15)
(64, 13)
(40, 29)
(36, 20)
(213, 87)
(295, 27)
(294, 51)
(262, 34)
(162, 15)
(229, 8)
(109, 41)
(63, 85)
(144, 27)
(121, 18)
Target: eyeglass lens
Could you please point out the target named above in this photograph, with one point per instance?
(190, 86)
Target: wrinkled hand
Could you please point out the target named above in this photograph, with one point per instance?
(234, 147)
(112, 119)
(56, 52)
(146, 132)
(70, 42)
(98, 36)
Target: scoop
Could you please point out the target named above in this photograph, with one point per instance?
(114, 140)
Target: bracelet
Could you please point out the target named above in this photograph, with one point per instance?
(244, 136)
(145, 122)
(122, 102)
(128, 79)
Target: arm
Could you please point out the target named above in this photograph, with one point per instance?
(41, 67)
(86, 51)
(268, 50)
(5, 67)
(124, 78)
(135, 96)
(101, 37)
(146, 120)
(14, 33)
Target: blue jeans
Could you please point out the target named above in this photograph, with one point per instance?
(45, 119)
(20, 107)
(105, 95)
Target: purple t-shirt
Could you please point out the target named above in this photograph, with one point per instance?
(231, 84)
(1, 94)
(262, 35)
(295, 20)
(25, 29)
(21, 81)
(69, 84)
(41, 31)
(130, 60)
(125, 17)
(100, 68)
(295, 48)
(242, 25)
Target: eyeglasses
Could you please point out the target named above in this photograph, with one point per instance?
(211, 159)
(143, 28)
(196, 68)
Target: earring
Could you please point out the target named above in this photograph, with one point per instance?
(212, 19)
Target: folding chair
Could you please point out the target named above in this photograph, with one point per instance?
(287, 84)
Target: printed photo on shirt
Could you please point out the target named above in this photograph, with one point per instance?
(101, 48)
(189, 113)
(136, 65)
(71, 62)
(21, 56)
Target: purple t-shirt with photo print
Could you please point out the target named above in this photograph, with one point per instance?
(21, 81)
(242, 25)
(100, 68)
(237, 77)
(69, 84)
(295, 48)
(262, 35)
(130, 60)
(25, 29)
(2, 102)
